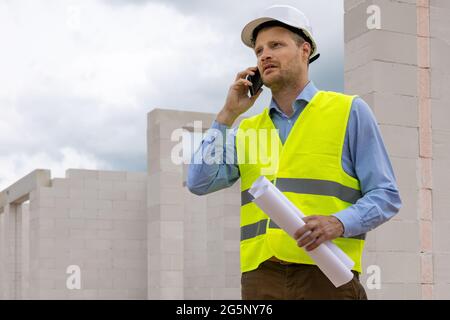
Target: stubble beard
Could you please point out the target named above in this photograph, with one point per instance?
(282, 80)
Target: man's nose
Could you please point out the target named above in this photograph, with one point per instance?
(265, 55)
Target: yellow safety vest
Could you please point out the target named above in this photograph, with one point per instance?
(307, 168)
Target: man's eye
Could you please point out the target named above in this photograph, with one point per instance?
(277, 44)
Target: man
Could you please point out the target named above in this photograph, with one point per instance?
(332, 164)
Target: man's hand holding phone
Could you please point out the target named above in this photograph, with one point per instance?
(238, 100)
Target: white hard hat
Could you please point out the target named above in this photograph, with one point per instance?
(287, 15)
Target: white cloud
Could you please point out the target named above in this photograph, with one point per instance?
(17, 165)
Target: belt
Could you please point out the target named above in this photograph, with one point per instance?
(285, 263)
(275, 259)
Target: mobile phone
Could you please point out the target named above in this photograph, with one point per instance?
(257, 83)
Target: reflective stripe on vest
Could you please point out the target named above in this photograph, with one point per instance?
(256, 229)
(310, 186)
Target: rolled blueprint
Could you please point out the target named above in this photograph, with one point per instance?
(330, 259)
(336, 250)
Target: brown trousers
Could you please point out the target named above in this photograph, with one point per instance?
(276, 281)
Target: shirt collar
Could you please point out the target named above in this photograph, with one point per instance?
(308, 92)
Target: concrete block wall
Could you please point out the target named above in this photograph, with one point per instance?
(402, 71)
(8, 268)
(381, 67)
(439, 42)
(133, 235)
(14, 233)
(23, 265)
(95, 220)
(223, 209)
(14, 251)
(193, 241)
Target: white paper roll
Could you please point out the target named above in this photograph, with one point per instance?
(336, 250)
(333, 262)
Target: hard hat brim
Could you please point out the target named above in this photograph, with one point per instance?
(247, 32)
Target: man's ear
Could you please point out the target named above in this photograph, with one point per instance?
(306, 47)
(306, 51)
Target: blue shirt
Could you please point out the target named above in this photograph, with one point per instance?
(364, 157)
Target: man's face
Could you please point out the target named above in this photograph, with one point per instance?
(280, 60)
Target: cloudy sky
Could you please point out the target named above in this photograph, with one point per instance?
(79, 76)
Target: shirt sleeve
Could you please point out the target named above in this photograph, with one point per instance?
(210, 171)
(372, 167)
